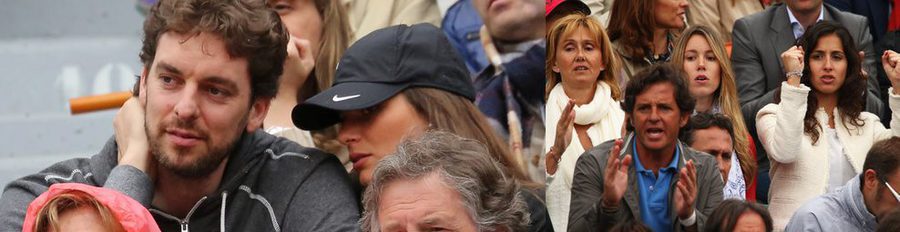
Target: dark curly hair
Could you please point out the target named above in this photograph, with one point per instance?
(851, 95)
(658, 73)
(249, 29)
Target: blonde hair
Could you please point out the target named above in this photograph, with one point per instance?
(565, 27)
(725, 95)
(48, 217)
(336, 36)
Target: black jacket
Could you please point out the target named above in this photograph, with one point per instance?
(269, 184)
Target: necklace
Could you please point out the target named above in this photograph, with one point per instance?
(652, 58)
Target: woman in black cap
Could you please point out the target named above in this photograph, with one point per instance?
(401, 81)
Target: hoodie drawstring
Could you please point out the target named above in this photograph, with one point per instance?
(222, 212)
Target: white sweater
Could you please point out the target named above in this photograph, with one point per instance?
(800, 168)
(559, 185)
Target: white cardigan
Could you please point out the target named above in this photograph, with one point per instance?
(799, 168)
(559, 185)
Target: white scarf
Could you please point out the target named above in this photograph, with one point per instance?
(605, 117)
(603, 114)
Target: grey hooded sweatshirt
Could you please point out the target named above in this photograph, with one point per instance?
(269, 184)
(841, 210)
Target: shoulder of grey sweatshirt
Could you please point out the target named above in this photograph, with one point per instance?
(294, 181)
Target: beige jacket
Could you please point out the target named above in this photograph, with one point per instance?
(800, 168)
(600, 9)
(629, 66)
(720, 15)
(369, 15)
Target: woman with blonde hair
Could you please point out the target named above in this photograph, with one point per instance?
(320, 32)
(707, 67)
(582, 104)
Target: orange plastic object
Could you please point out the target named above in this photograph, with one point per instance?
(728, 48)
(98, 102)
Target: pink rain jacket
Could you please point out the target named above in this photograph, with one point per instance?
(131, 214)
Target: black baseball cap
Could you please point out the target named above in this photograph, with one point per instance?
(382, 64)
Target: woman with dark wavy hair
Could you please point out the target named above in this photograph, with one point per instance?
(643, 32)
(816, 133)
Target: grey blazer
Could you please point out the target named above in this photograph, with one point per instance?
(586, 214)
(759, 40)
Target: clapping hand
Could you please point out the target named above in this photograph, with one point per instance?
(686, 190)
(615, 178)
(564, 129)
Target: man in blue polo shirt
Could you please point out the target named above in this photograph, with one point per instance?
(669, 187)
(654, 191)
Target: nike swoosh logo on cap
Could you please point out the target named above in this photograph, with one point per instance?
(337, 98)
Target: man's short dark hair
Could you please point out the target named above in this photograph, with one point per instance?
(248, 28)
(655, 74)
(705, 121)
(883, 158)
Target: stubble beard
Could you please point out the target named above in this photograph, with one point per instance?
(198, 169)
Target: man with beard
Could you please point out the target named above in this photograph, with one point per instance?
(188, 146)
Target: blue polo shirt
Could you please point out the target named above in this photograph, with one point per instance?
(654, 192)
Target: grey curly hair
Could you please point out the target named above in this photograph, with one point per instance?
(491, 196)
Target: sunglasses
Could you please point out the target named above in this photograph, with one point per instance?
(896, 195)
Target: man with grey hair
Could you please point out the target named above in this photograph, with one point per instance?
(441, 181)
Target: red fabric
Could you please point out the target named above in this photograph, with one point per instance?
(549, 5)
(894, 20)
(751, 188)
(131, 214)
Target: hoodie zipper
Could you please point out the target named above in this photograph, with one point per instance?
(182, 222)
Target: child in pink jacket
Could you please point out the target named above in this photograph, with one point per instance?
(73, 206)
